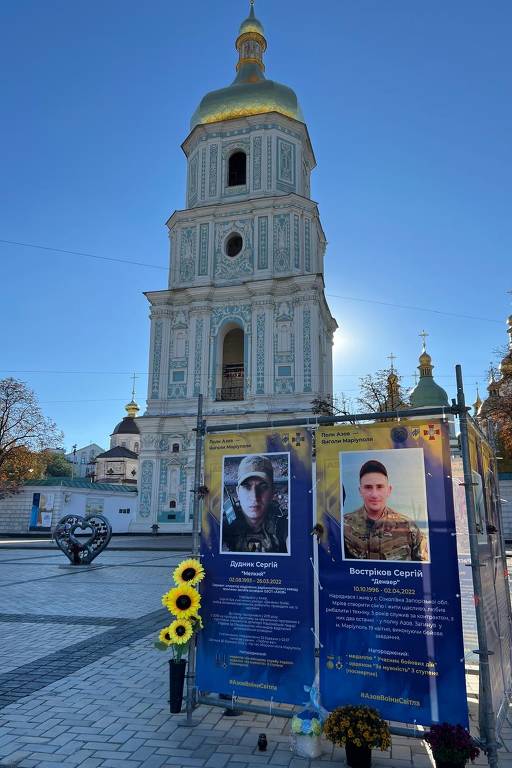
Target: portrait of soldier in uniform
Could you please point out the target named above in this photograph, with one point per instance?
(255, 510)
(375, 531)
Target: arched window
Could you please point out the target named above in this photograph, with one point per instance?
(237, 169)
(136, 448)
(233, 366)
(172, 504)
(175, 447)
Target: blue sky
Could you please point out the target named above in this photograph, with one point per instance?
(409, 111)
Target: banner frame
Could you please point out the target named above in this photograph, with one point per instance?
(459, 409)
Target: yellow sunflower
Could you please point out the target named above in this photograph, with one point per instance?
(180, 631)
(182, 601)
(189, 572)
(165, 636)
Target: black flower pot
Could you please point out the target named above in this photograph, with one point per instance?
(358, 757)
(443, 764)
(176, 684)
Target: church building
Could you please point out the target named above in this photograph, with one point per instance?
(244, 320)
(120, 464)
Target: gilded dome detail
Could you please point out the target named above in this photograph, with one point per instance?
(250, 93)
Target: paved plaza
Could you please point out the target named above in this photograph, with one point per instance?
(82, 685)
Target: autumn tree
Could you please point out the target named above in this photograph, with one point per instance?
(24, 433)
(376, 394)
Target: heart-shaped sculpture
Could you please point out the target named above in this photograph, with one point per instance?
(82, 552)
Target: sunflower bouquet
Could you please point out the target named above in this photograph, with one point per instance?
(183, 601)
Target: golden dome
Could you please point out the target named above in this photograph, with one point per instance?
(251, 24)
(250, 93)
(132, 408)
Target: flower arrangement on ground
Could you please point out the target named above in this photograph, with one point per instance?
(306, 723)
(306, 726)
(451, 745)
(359, 729)
(184, 602)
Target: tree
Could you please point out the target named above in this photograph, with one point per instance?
(24, 432)
(329, 406)
(499, 410)
(377, 393)
(56, 464)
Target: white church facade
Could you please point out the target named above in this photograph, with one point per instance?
(244, 320)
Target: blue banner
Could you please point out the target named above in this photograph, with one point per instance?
(256, 548)
(390, 610)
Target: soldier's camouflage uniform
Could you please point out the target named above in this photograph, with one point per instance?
(237, 536)
(392, 537)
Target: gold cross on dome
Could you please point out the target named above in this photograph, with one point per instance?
(424, 335)
(133, 387)
(392, 357)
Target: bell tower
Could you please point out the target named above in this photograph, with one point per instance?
(244, 320)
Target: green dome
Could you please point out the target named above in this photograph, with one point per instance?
(427, 392)
(250, 93)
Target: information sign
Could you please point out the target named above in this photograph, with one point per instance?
(390, 618)
(256, 548)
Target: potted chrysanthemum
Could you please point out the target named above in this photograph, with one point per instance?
(183, 601)
(359, 729)
(451, 745)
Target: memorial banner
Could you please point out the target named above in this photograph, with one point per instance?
(390, 617)
(256, 548)
(494, 574)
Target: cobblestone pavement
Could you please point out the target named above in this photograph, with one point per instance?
(81, 685)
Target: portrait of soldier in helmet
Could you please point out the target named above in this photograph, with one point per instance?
(255, 506)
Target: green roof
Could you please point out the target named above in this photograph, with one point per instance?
(67, 482)
(427, 392)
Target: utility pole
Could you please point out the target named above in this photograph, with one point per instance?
(199, 430)
(74, 462)
(488, 717)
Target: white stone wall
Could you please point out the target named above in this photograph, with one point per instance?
(281, 236)
(121, 470)
(132, 442)
(166, 474)
(279, 159)
(287, 345)
(15, 511)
